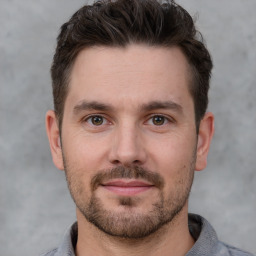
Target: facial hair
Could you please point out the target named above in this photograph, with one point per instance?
(130, 224)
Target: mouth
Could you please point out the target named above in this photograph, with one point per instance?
(127, 187)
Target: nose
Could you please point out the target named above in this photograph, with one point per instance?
(127, 147)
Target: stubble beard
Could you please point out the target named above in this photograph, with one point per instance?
(130, 224)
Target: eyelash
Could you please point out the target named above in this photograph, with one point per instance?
(166, 119)
(89, 119)
(105, 120)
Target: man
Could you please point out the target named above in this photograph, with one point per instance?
(130, 127)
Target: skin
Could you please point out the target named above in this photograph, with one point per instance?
(130, 81)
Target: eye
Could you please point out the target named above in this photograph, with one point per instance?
(158, 120)
(96, 120)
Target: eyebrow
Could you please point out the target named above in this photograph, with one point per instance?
(153, 105)
(93, 105)
(171, 105)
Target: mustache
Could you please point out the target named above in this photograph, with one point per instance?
(131, 172)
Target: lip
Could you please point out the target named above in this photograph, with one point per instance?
(127, 187)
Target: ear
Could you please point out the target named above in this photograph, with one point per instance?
(53, 133)
(205, 134)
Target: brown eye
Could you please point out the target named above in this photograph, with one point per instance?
(158, 120)
(96, 120)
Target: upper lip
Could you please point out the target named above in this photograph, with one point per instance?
(127, 183)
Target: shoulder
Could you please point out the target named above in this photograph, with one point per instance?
(225, 249)
(207, 242)
(67, 244)
(50, 253)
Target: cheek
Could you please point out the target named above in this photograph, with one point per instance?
(78, 171)
(174, 159)
(176, 166)
(173, 154)
(85, 151)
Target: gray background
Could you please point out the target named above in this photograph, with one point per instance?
(35, 206)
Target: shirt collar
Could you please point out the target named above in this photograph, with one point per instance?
(204, 234)
(200, 229)
(68, 243)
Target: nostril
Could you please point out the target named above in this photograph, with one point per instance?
(116, 162)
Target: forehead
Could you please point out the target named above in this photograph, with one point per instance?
(134, 73)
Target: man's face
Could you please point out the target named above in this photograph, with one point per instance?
(129, 142)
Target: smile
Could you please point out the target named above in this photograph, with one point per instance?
(127, 187)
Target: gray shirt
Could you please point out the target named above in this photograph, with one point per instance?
(207, 243)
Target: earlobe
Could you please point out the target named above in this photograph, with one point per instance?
(53, 134)
(205, 134)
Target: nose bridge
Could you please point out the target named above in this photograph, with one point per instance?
(127, 146)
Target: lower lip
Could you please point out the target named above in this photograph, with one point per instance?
(127, 191)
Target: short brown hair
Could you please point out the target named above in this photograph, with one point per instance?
(118, 23)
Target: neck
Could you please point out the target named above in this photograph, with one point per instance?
(172, 239)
